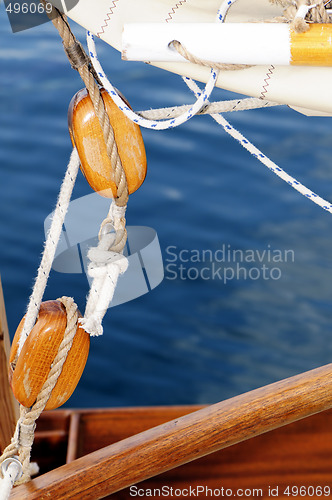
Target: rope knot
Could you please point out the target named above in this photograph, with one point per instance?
(103, 263)
(107, 262)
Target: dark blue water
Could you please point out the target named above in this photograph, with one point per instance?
(189, 340)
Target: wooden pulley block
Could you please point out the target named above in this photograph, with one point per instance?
(86, 134)
(28, 373)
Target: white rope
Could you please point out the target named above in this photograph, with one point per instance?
(11, 470)
(152, 124)
(303, 11)
(210, 108)
(50, 247)
(326, 205)
(105, 268)
(202, 97)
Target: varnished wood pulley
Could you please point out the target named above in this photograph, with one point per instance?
(28, 373)
(87, 136)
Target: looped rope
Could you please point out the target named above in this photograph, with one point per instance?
(24, 433)
(181, 49)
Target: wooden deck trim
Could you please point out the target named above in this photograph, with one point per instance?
(73, 437)
(185, 439)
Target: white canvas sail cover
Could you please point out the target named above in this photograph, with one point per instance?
(300, 87)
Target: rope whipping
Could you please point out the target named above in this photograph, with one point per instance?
(22, 440)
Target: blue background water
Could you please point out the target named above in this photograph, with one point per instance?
(187, 341)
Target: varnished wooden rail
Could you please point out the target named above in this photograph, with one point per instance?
(185, 439)
(9, 411)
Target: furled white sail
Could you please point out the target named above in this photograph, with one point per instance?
(300, 87)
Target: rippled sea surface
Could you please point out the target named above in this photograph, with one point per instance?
(189, 340)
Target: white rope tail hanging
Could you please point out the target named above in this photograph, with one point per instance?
(107, 263)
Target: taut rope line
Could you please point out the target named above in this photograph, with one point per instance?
(50, 247)
(210, 108)
(326, 205)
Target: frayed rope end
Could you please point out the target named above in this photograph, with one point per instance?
(92, 326)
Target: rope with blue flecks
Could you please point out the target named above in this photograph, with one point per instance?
(246, 144)
(317, 16)
(202, 97)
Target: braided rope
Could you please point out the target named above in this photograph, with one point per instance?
(219, 118)
(201, 101)
(246, 144)
(24, 434)
(122, 105)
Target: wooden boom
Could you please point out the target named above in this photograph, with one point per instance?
(185, 439)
